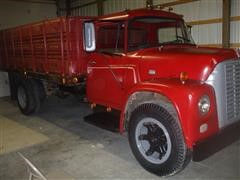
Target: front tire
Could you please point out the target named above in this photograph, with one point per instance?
(157, 141)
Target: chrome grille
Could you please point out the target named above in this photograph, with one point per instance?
(233, 90)
(225, 80)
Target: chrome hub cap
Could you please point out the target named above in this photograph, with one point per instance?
(153, 140)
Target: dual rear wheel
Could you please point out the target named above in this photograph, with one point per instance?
(30, 95)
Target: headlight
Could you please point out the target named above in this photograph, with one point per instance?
(204, 104)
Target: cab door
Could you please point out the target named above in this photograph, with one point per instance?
(107, 66)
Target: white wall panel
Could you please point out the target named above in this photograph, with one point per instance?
(235, 25)
(235, 32)
(80, 2)
(155, 2)
(111, 6)
(207, 34)
(197, 10)
(90, 10)
(200, 10)
(235, 8)
(203, 10)
(14, 13)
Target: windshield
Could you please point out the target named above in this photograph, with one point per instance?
(156, 31)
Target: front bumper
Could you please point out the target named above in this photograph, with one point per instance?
(206, 148)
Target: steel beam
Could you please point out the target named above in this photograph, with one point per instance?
(100, 7)
(36, 1)
(226, 23)
(68, 7)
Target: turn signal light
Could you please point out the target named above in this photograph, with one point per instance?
(93, 105)
(63, 80)
(183, 77)
(109, 109)
(75, 80)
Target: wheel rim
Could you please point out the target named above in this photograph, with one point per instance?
(22, 97)
(153, 140)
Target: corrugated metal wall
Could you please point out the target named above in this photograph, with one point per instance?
(14, 13)
(204, 33)
(88, 10)
(203, 10)
(235, 25)
(120, 5)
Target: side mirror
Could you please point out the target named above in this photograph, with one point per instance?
(89, 37)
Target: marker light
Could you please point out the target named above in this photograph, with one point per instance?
(183, 77)
(93, 105)
(109, 109)
(75, 80)
(63, 80)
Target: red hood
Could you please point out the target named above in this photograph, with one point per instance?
(171, 60)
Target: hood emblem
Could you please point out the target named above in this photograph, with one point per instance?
(151, 71)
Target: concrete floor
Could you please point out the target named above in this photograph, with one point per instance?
(78, 150)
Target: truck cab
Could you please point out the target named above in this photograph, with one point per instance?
(174, 97)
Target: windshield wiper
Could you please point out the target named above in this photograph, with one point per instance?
(171, 42)
(175, 42)
(183, 38)
(112, 53)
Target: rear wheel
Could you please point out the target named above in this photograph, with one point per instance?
(25, 98)
(156, 140)
(39, 93)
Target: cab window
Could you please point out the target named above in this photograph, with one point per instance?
(110, 38)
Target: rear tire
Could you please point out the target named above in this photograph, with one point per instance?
(39, 93)
(25, 98)
(157, 141)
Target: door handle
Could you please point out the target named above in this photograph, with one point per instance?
(92, 62)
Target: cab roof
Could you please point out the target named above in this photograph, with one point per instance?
(130, 14)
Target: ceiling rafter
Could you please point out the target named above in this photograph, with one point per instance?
(36, 1)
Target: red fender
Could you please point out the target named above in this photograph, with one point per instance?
(185, 98)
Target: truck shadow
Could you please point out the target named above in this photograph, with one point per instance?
(77, 118)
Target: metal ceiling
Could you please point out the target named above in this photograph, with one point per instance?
(36, 1)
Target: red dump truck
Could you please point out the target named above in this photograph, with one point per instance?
(177, 101)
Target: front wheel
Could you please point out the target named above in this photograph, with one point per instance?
(157, 141)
